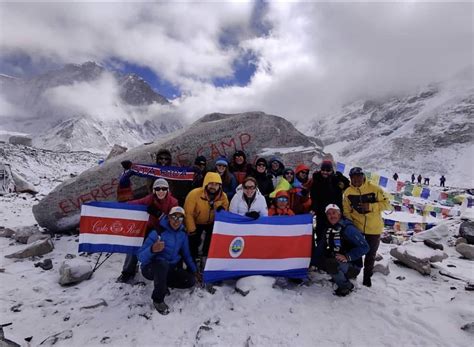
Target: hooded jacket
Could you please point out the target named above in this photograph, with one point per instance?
(325, 191)
(371, 222)
(239, 205)
(278, 174)
(199, 209)
(176, 246)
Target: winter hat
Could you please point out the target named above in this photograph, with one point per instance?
(261, 161)
(288, 170)
(160, 182)
(212, 177)
(326, 165)
(200, 160)
(222, 161)
(332, 207)
(240, 154)
(164, 153)
(282, 193)
(177, 209)
(301, 167)
(356, 171)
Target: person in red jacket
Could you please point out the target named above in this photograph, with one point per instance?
(159, 203)
(281, 205)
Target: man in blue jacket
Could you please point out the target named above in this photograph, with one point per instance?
(160, 254)
(341, 250)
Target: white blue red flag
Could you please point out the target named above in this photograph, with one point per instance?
(273, 246)
(112, 227)
(177, 173)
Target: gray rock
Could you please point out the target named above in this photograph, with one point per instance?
(37, 236)
(436, 233)
(378, 257)
(466, 250)
(469, 327)
(257, 133)
(381, 268)
(37, 248)
(460, 240)
(115, 151)
(418, 257)
(46, 264)
(74, 271)
(52, 340)
(433, 245)
(6, 232)
(22, 186)
(466, 230)
(20, 140)
(22, 234)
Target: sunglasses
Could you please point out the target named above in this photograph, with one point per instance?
(161, 188)
(261, 165)
(289, 174)
(250, 187)
(221, 165)
(177, 218)
(304, 172)
(163, 158)
(282, 199)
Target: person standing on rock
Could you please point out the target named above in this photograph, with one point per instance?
(158, 203)
(239, 166)
(418, 179)
(395, 176)
(442, 180)
(363, 203)
(160, 255)
(426, 181)
(413, 178)
(341, 249)
(201, 205)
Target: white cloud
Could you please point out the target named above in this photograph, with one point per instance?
(316, 56)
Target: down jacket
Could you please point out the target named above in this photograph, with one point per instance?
(176, 246)
(239, 205)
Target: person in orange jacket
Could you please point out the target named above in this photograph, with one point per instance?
(281, 205)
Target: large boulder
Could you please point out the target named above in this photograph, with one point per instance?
(257, 133)
(20, 140)
(22, 234)
(418, 257)
(466, 230)
(466, 250)
(436, 233)
(34, 249)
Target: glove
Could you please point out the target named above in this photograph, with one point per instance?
(152, 210)
(220, 208)
(126, 164)
(253, 214)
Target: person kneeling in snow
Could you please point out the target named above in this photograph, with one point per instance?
(341, 250)
(160, 254)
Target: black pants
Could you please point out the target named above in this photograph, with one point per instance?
(130, 265)
(319, 232)
(165, 275)
(195, 240)
(374, 242)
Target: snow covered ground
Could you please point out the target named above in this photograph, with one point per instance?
(401, 309)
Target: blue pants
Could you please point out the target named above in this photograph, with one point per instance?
(345, 271)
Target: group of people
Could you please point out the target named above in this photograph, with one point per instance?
(347, 211)
(419, 178)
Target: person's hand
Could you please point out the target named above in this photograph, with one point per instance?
(126, 164)
(220, 208)
(253, 214)
(312, 212)
(153, 210)
(341, 258)
(158, 246)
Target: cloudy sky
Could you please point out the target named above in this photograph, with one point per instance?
(297, 60)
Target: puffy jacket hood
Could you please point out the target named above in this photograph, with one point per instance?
(212, 177)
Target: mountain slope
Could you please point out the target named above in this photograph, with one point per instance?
(430, 132)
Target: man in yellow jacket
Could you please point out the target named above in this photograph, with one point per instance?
(200, 207)
(363, 203)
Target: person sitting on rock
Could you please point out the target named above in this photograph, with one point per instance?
(159, 257)
(281, 205)
(159, 203)
(341, 249)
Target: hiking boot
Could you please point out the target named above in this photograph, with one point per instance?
(125, 278)
(161, 307)
(344, 291)
(367, 282)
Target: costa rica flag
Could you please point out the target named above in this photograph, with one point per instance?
(273, 246)
(112, 227)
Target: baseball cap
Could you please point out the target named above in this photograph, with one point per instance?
(332, 207)
(160, 182)
(356, 171)
(177, 209)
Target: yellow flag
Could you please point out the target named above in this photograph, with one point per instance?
(416, 191)
(375, 178)
(282, 185)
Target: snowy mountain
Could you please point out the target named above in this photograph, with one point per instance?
(430, 132)
(85, 107)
